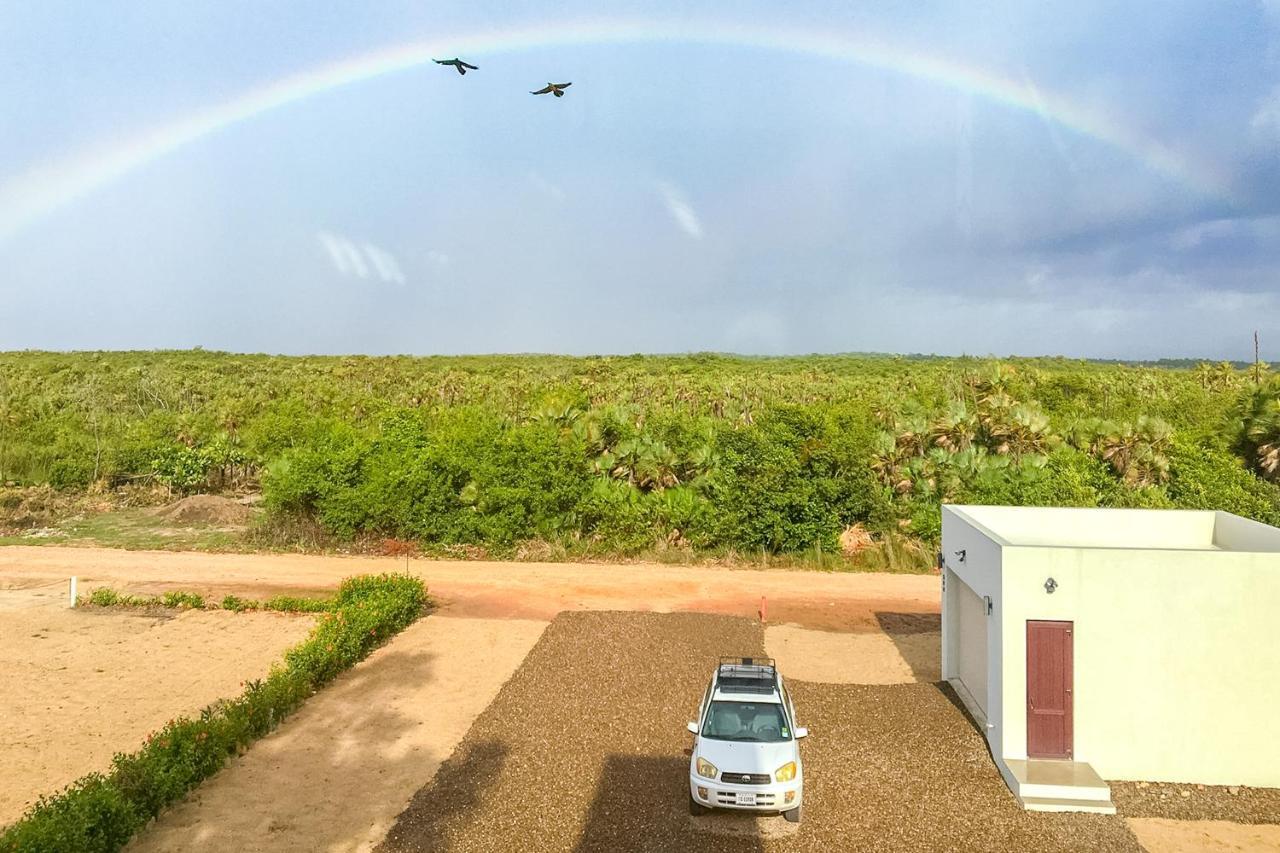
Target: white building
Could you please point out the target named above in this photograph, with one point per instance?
(1119, 644)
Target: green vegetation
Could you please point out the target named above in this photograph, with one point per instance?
(690, 455)
(102, 812)
(181, 600)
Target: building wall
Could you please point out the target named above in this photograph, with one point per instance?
(979, 575)
(1176, 653)
(971, 652)
(1233, 533)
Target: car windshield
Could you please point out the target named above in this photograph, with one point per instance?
(758, 722)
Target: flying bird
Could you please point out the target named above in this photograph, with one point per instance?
(456, 63)
(556, 89)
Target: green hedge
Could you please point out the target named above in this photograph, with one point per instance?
(102, 812)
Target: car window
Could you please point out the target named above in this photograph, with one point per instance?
(755, 722)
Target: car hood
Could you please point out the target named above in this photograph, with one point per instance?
(731, 756)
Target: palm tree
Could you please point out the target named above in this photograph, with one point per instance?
(957, 429)
(1138, 452)
(645, 463)
(1261, 430)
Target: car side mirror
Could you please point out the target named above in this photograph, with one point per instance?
(692, 727)
(801, 731)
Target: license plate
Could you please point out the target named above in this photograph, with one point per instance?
(746, 799)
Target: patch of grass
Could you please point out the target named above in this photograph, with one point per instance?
(104, 597)
(183, 600)
(131, 529)
(100, 813)
(292, 604)
(238, 605)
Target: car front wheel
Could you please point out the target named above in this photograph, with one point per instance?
(793, 815)
(695, 808)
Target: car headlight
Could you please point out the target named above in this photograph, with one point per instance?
(786, 772)
(706, 768)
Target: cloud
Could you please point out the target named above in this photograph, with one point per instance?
(681, 211)
(385, 263)
(1266, 118)
(1050, 125)
(1193, 236)
(360, 260)
(344, 255)
(438, 259)
(546, 186)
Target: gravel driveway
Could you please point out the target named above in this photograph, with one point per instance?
(584, 750)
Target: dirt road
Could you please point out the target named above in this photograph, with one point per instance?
(829, 601)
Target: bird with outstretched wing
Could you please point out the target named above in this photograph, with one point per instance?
(556, 89)
(456, 63)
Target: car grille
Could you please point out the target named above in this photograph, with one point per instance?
(729, 798)
(746, 778)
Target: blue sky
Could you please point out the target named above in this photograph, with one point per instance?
(683, 196)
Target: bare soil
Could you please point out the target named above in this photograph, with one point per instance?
(827, 601)
(337, 773)
(206, 509)
(1164, 835)
(584, 749)
(77, 686)
(869, 657)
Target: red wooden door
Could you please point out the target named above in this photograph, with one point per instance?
(1049, 678)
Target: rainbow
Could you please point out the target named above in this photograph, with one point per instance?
(43, 190)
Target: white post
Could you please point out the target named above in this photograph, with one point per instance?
(73, 591)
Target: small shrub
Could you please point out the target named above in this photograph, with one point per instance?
(70, 473)
(104, 597)
(183, 600)
(237, 604)
(291, 604)
(91, 815)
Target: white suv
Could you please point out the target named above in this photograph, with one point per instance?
(746, 752)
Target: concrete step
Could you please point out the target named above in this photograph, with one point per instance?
(1062, 804)
(1060, 780)
(1097, 793)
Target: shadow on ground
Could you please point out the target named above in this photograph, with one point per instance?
(641, 806)
(918, 638)
(461, 783)
(315, 781)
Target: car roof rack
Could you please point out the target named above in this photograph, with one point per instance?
(747, 675)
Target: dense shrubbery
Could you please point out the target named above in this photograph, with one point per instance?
(102, 812)
(625, 454)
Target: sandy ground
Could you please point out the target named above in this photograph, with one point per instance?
(1161, 835)
(837, 602)
(77, 686)
(870, 657)
(336, 774)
